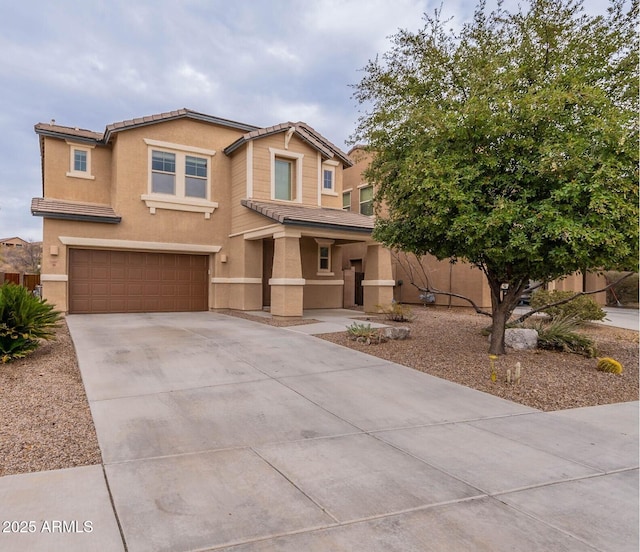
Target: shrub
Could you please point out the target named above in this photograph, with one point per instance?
(558, 335)
(397, 312)
(610, 365)
(581, 308)
(364, 333)
(24, 321)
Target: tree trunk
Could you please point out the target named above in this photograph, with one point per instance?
(502, 305)
(501, 314)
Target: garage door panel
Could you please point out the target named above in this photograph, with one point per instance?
(119, 281)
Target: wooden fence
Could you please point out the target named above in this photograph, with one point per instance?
(30, 281)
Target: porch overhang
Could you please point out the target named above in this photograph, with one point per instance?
(71, 210)
(320, 218)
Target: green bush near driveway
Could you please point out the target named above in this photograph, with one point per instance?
(24, 320)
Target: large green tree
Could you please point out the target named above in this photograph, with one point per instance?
(511, 144)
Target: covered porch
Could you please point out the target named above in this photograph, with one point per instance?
(295, 263)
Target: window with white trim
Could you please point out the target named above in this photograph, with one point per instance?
(80, 161)
(366, 200)
(328, 177)
(179, 178)
(324, 256)
(286, 175)
(195, 180)
(163, 172)
(284, 188)
(179, 173)
(346, 201)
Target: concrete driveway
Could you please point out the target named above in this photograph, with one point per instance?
(218, 433)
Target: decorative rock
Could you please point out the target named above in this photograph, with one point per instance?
(396, 332)
(521, 338)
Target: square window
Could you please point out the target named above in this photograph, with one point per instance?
(283, 179)
(80, 161)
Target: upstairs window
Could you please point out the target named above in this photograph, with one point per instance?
(366, 200)
(346, 201)
(179, 178)
(195, 184)
(286, 175)
(328, 177)
(327, 181)
(80, 161)
(283, 180)
(163, 172)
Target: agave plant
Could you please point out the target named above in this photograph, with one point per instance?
(24, 321)
(559, 334)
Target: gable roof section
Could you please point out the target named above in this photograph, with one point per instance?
(83, 135)
(303, 131)
(295, 215)
(73, 210)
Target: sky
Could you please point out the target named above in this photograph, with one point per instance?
(90, 63)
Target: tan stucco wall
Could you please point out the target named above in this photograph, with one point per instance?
(122, 174)
(61, 186)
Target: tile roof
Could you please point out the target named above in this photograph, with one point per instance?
(312, 216)
(73, 210)
(304, 131)
(51, 129)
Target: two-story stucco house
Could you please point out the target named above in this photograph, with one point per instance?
(183, 211)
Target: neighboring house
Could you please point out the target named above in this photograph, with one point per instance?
(183, 211)
(12, 243)
(459, 278)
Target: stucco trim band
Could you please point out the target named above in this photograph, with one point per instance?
(379, 283)
(54, 278)
(287, 281)
(324, 283)
(220, 280)
(139, 245)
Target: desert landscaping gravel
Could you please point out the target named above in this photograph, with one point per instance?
(448, 343)
(45, 421)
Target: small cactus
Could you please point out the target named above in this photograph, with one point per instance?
(610, 365)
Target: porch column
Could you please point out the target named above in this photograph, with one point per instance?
(287, 284)
(378, 278)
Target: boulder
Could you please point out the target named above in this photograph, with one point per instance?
(521, 338)
(396, 332)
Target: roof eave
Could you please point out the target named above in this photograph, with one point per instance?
(66, 136)
(77, 217)
(326, 226)
(185, 114)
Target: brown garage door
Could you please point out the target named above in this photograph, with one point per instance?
(103, 281)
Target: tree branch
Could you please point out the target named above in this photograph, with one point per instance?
(563, 301)
(426, 287)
